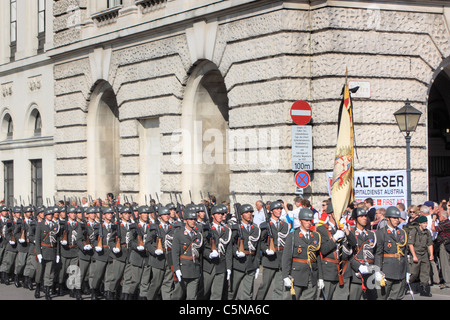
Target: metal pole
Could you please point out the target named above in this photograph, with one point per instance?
(408, 168)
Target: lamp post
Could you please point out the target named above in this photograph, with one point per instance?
(407, 119)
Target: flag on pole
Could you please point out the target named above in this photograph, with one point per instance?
(342, 183)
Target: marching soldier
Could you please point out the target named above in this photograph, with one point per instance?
(246, 247)
(187, 248)
(336, 275)
(23, 244)
(31, 264)
(69, 252)
(217, 256)
(159, 246)
(3, 224)
(390, 258)
(85, 243)
(47, 252)
(12, 234)
(362, 262)
(273, 239)
(104, 234)
(301, 267)
(140, 271)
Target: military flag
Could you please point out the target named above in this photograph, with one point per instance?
(342, 183)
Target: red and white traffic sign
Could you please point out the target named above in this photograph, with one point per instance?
(301, 112)
(302, 179)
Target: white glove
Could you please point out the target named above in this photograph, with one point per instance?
(408, 275)
(256, 273)
(39, 257)
(63, 242)
(363, 269)
(213, 254)
(240, 254)
(178, 274)
(140, 248)
(378, 276)
(12, 242)
(228, 274)
(57, 259)
(269, 252)
(338, 235)
(87, 247)
(21, 240)
(287, 282)
(158, 252)
(98, 249)
(116, 250)
(320, 284)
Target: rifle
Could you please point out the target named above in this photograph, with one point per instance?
(204, 207)
(210, 232)
(64, 237)
(190, 195)
(22, 216)
(100, 231)
(238, 218)
(117, 222)
(269, 227)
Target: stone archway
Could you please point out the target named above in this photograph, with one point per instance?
(205, 125)
(103, 142)
(439, 134)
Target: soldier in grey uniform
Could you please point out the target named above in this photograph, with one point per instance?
(3, 221)
(217, 256)
(85, 242)
(104, 235)
(140, 271)
(391, 259)
(187, 249)
(246, 260)
(31, 264)
(159, 246)
(69, 253)
(301, 267)
(23, 244)
(273, 239)
(336, 287)
(362, 262)
(47, 251)
(12, 235)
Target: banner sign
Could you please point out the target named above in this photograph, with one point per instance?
(386, 188)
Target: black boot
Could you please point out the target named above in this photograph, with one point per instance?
(17, 281)
(6, 279)
(29, 284)
(124, 296)
(2, 277)
(37, 292)
(78, 294)
(47, 293)
(425, 291)
(94, 294)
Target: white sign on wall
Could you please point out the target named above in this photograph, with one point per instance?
(363, 91)
(302, 155)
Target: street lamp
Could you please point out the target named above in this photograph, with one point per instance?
(407, 119)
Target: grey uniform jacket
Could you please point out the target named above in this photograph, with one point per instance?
(187, 252)
(86, 235)
(363, 252)
(12, 232)
(279, 239)
(156, 231)
(393, 263)
(252, 245)
(126, 234)
(47, 240)
(139, 258)
(295, 261)
(70, 250)
(107, 239)
(22, 247)
(329, 254)
(221, 236)
(31, 237)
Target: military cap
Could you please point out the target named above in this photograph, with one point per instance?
(245, 208)
(358, 212)
(200, 207)
(55, 209)
(163, 210)
(190, 206)
(16, 209)
(3, 208)
(107, 210)
(217, 209)
(275, 205)
(392, 212)
(224, 208)
(28, 209)
(49, 210)
(144, 209)
(305, 214)
(125, 209)
(171, 206)
(422, 219)
(39, 209)
(79, 209)
(330, 208)
(62, 209)
(190, 213)
(71, 209)
(91, 210)
(134, 207)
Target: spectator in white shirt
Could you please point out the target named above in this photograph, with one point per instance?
(259, 216)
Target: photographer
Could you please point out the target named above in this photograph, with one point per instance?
(443, 240)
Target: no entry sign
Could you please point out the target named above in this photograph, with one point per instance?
(301, 112)
(302, 179)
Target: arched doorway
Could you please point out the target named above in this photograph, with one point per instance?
(103, 142)
(205, 122)
(439, 135)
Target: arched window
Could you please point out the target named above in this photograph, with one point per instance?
(37, 125)
(10, 130)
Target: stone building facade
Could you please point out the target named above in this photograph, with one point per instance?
(167, 96)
